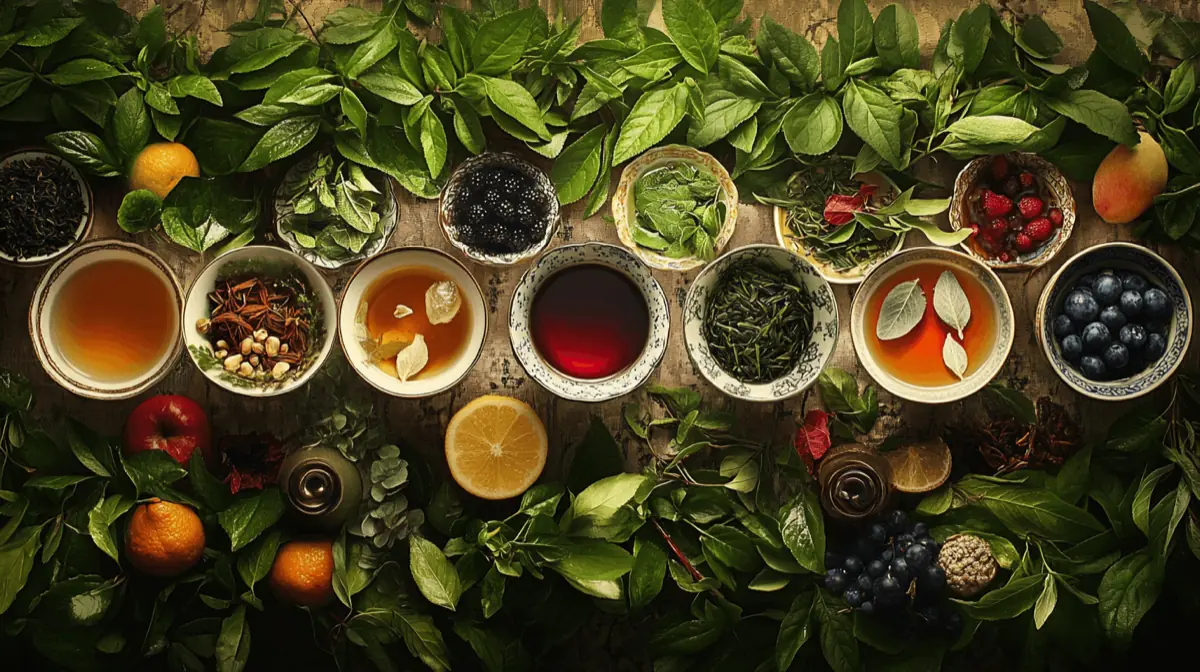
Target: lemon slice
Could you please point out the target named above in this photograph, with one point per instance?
(496, 447)
(920, 466)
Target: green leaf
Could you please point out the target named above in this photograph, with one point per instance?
(82, 70)
(131, 124)
(1181, 152)
(49, 32)
(1101, 114)
(391, 87)
(17, 557)
(1015, 403)
(596, 456)
(833, 65)
(371, 51)
(1037, 38)
(814, 125)
(433, 141)
(467, 127)
(577, 167)
(254, 563)
(92, 451)
(514, 100)
(602, 500)
(794, 631)
(500, 42)
(101, 519)
(1127, 591)
(153, 472)
(897, 38)
(855, 34)
(620, 21)
(646, 575)
(1141, 500)
(803, 528)
(1027, 510)
(433, 573)
(251, 515)
(487, 645)
(791, 53)
(687, 637)
(13, 84)
(233, 643)
(353, 110)
(1118, 44)
(349, 576)
(1045, 602)
(195, 86)
(87, 151)
(654, 115)
(1072, 481)
(694, 31)
(991, 129)
(593, 560)
(281, 141)
(838, 643)
(1181, 86)
(1010, 601)
(969, 37)
(140, 210)
(541, 499)
(875, 118)
(491, 596)
(724, 111)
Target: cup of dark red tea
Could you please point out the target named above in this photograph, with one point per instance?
(588, 322)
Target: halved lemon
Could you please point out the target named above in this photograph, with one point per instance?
(920, 466)
(496, 447)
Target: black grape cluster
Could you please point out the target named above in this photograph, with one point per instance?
(891, 569)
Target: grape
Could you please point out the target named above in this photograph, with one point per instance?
(899, 570)
(853, 596)
(876, 568)
(867, 607)
(918, 556)
(920, 530)
(835, 581)
(878, 534)
(887, 586)
(897, 521)
(853, 565)
(887, 555)
(865, 584)
(933, 578)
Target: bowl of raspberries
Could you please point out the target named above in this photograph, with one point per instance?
(1018, 207)
(1115, 321)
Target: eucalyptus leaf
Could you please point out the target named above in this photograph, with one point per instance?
(902, 310)
(951, 303)
(954, 356)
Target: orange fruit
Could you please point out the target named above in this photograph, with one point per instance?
(496, 447)
(161, 166)
(919, 467)
(302, 573)
(164, 538)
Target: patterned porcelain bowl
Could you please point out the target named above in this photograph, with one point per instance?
(1002, 317)
(624, 212)
(42, 312)
(1058, 194)
(268, 261)
(816, 353)
(85, 191)
(1118, 257)
(577, 389)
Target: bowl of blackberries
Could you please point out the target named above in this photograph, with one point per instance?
(1115, 321)
(888, 569)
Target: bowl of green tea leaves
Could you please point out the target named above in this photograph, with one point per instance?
(675, 208)
(846, 224)
(334, 212)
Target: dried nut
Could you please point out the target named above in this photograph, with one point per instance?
(260, 335)
(221, 354)
(253, 360)
(222, 345)
(272, 347)
(202, 325)
(232, 362)
(257, 348)
(245, 370)
(247, 344)
(260, 374)
(280, 370)
(283, 349)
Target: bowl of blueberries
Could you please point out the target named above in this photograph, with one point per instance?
(1115, 321)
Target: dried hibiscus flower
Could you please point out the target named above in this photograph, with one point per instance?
(253, 460)
(840, 208)
(812, 438)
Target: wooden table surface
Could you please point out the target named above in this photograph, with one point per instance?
(421, 422)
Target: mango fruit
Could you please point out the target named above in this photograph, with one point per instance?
(1128, 179)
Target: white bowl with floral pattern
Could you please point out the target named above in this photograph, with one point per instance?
(816, 353)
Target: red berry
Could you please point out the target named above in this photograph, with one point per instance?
(1023, 242)
(995, 205)
(1030, 206)
(1039, 229)
(998, 228)
(1026, 179)
(1056, 217)
(974, 228)
(1005, 257)
(999, 168)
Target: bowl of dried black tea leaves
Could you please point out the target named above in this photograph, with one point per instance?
(46, 207)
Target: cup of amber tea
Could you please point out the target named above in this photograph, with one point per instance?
(105, 320)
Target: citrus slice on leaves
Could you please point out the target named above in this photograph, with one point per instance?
(496, 447)
(919, 467)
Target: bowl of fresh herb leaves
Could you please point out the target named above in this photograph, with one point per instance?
(334, 212)
(675, 207)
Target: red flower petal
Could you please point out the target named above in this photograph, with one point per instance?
(840, 209)
(812, 438)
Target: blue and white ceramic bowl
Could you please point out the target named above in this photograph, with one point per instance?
(816, 352)
(1116, 257)
(577, 389)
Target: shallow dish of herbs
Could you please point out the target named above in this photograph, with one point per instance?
(46, 207)
(334, 212)
(760, 323)
(675, 207)
(259, 321)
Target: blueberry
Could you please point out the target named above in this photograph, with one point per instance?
(1063, 326)
(888, 587)
(933, 578)
(897, 521)
(853, 565)
(867, 607)
(1156, 347)
(1086, 289)
(1092, 367)
(899, 570)
(887, 555)
(918, 556)
(853, 596)
(1133, 336)
(1134, 282)
(920, 530)
(1116, 357)
(1107, 289)
(1081, 307)
(836, 581)
(930, 543)
(1156, 327)
(878, 534)
(906, 537)
(1131, 303)
(1072, 348)
(1096, 337)
(1157, 303)
(833, 559)
(865, 583)
(1113, 318)
(903, 545)
(1086, 280)
(876, 569)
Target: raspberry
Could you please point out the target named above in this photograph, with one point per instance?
(998, 228)
(974, 228)
(1030, 206)
(1024, 243)
(994, 205)
(999, 168)
(1039, 229)
(1056, 217)
(1005, 257)
(1026, 179)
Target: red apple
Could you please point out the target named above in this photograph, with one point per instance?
(170, 423)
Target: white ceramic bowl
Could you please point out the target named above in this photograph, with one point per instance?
(850, 276)
(267, 260)
(625, 213)
(85, 191)
(1002, 316)
(816, 352)
(41, 312)
(577, 389)
(473, 309)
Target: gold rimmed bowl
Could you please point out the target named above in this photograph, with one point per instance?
(85, 194)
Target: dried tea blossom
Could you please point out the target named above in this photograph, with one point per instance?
(412, 359)
(442, 302)
(968, 563)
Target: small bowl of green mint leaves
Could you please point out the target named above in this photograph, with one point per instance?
(675, 207)
(334, 212)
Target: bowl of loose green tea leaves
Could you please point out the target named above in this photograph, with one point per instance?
(45, 207)
(675, 208)
(760, 323)
(334, 212)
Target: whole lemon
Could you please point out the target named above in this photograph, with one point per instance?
(303, 572)
(164, 538)
(161, 166)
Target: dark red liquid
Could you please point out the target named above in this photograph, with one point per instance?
(589, 321)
